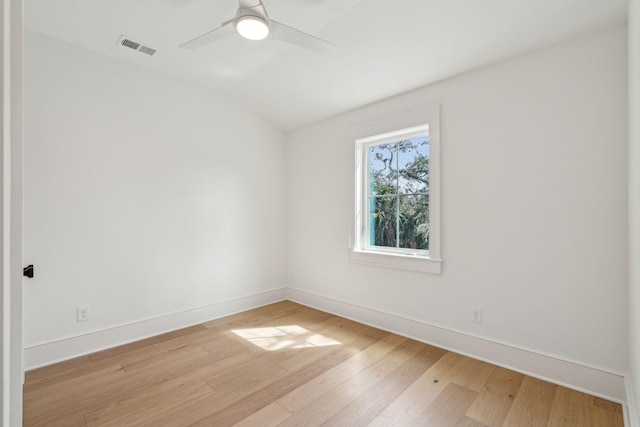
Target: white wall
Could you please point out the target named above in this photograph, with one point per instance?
(534, 206)
(144, 195)
(633, 385)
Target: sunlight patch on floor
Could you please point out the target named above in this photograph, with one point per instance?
(283, 337)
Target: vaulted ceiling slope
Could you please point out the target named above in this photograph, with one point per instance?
(384, 47)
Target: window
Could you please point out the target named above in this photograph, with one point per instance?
(397, 220)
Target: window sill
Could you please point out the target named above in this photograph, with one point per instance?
(397, 261)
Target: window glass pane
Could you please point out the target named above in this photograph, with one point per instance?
(414, 221)
(413, 166)
(383, 169)
(383, 223)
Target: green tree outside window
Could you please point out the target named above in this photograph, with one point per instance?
(399, 194)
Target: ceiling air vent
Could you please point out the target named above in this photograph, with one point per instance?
(127, 42)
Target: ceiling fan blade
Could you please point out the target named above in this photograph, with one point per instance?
(227, 28)
(298, 38)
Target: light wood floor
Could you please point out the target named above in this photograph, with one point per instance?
(289, 365)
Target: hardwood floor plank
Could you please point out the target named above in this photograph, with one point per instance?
(234, 386)
(92, 391)
(55, 369)
(303, 319)
(468, 422)
(73, 419)
(371, 403)
(183, 413)
(309, 392)
(532, 404)
(338, 329)
(123, 355)
(329, 404)
(56, 373)
(144, 414)
(570, 408)
(601, 416)
(127, 410)
(471, 373)
(256, 317)
(168, 360)
(416, 398)
(225, 390)
(228, 344)
(56, 401)
(371, 354)
(448, 408)
(606, 404)
(269, 416)
(262, 397)
(495, 398)
(208, 338)
(325, 407)
(148, 342)
(53, 374)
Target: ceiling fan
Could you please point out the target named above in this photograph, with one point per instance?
(252, 22)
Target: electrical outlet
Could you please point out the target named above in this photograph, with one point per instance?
(82, 313)
(476, 314)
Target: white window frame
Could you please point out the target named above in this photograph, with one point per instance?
(424, 122)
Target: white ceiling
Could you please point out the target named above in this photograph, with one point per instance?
(385, 47)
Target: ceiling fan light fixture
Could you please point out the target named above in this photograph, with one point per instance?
(252, 27)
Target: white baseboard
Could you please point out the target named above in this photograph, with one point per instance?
(70, 347)
(631, 414)
(567, 373)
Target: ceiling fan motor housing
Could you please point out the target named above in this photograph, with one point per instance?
(252, 22)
